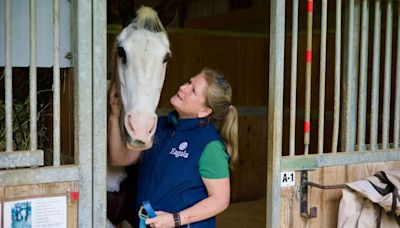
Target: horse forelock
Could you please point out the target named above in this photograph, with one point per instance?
(148, 19)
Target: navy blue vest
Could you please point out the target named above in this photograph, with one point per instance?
(169, 175)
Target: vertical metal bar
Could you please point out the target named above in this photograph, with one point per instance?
(336, 108)
(387, 74)
(56, 83)
(321, 111)
(83, 120)
(397, 95)
(100, 112)
(307, 124)
(8, 78)
(362, 107)
(349, 86)
(32, 75)
(375, 75)
(293, 81)
(275, 116)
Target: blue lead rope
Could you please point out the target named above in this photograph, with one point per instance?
(150, 213)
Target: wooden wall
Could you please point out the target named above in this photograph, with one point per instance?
(326, 201)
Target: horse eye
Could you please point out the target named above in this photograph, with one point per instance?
(121, 54)
(166, 57)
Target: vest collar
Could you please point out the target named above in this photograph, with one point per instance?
(185, 124)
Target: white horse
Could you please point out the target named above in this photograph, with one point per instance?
(143, 51)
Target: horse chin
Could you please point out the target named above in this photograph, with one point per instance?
(138, 145)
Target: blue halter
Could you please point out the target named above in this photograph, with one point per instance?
(150, 213)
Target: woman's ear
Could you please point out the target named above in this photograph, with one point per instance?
(204, 112)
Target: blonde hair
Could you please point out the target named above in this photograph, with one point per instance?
(224, 115)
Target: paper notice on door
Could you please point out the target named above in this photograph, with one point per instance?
(36, 213)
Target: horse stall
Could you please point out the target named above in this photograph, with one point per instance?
(335, 115)
(333, 102)
(53, 127)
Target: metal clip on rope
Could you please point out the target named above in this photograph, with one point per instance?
(150, 213)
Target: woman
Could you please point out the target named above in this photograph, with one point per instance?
(185, 175)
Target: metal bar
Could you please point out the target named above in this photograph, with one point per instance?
(40, 175)
(32, 75)
(307, 124)
(349, 86)
(322, 77)
(336, 105)
(375, 75)
(315, 161)
(8, 77)
(396, 120)
(275, 106)
(83, 109)
(293, 78)
(387, 74)
(56, 83)
(304, 198)
(362, 92)
(21, 159)
(100, 112)
(326, 187)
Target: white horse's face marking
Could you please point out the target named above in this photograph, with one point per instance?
(142, 61)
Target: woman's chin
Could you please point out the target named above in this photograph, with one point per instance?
(174, 100)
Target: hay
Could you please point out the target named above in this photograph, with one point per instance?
(21, 123)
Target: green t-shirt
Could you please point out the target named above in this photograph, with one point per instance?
(214, 162)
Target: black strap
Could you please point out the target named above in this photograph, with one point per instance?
(379, 218)
(390, 188)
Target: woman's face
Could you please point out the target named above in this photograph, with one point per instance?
(189, 101)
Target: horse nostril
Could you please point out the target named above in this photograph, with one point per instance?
(153, 128)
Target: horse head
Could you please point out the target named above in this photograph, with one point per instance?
(143, 51)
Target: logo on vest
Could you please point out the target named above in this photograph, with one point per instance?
(181, 152)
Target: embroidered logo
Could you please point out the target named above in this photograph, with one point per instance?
(181, 152)
(183, 146)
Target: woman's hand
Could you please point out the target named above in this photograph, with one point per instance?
(162, 220)
(115, 102)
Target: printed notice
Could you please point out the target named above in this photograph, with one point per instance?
(36, 213)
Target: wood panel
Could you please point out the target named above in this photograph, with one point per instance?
(249, 177)
(67, 116)
(45, 190)
(243, 60)
(326, 201)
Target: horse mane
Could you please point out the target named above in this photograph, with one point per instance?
(148, 19)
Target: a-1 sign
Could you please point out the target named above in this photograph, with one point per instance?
(287, 179)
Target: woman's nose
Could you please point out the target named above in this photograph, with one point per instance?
(184, 86)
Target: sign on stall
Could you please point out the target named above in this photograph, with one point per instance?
(36, 213)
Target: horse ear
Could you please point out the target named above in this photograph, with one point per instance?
(127, 11)
(167, 10)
